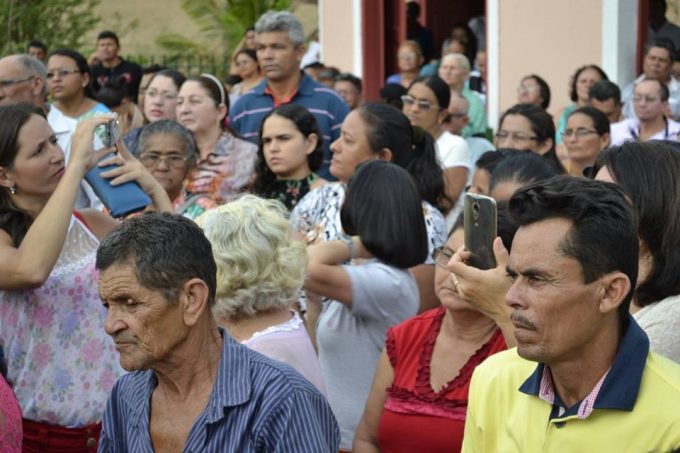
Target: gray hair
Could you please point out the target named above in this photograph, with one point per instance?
(459, 58)
(455, 96)
(260, 263)
(281, 21)
(34, 67)
(170, 127)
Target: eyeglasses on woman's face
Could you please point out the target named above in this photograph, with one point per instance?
(422, 105)
(442, 256)
(152, 160)
(578, 133)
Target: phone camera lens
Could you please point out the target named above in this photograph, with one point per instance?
(475, 208)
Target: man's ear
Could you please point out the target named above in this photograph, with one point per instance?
(612, 291)
(194, 300)
(38, 86)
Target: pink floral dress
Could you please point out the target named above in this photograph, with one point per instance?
(61, 363)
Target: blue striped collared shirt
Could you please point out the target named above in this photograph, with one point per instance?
(325, 104)
(256, 405)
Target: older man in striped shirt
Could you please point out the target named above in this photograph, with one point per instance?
(191, 386)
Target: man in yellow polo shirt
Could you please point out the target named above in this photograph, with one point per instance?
(596, 387)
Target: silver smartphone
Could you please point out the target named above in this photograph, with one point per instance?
(480, 230)
(111, 133)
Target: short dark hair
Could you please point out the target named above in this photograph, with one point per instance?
(412, 148)
(542, 126)
(108, 34)
(382, 206)
(441, 90)
(306, 124)
(521, 167)
(351, 78)
(664, 92)
(663, 43)
(605, 90)
(573, 95)
(489, 160)
(166, 251)
(649, 172)
(391, 94)
(113, 92)
(36, 44)
(600, 120)
(543, 88)
(603, 236)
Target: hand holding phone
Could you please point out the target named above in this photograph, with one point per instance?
(480, 230)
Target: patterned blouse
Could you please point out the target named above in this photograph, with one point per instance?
(317, 216)
(60, 360)
(226, 171)
(290, 191)
(191, 206)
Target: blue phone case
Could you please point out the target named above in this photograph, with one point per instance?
(119, 200)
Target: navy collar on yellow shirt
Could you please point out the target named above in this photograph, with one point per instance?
(622, 385)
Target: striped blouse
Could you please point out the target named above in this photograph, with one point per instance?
(257, 405)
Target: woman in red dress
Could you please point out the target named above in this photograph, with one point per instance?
(419, 395)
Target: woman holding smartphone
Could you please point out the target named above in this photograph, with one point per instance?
(419, 394)
(59, 359)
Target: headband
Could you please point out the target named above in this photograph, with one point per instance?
(219, 85)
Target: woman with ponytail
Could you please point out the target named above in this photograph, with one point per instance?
(379, 132)
(426, 105)
(226, 162)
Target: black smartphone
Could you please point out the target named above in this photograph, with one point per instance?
(480, 230)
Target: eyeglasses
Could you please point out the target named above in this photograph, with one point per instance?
(62, 73)
(442, 256)
(514, 136)
(578, 133)
(650, 99)
(151, 160)
(527, 89)
(10, 82)
(422, 105)
(163, 95)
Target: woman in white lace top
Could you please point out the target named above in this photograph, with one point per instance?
(260, 267)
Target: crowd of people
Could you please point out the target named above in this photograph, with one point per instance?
(300, 281)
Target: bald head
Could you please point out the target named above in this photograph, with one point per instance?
(22, 79)
(458, 114)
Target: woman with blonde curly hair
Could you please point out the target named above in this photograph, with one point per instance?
(260, 267)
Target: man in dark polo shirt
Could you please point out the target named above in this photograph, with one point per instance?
(280, 46)
(112, 67)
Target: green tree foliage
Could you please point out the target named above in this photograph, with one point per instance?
(222, 22)
(55, 22)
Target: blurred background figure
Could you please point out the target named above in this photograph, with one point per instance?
(37, 49)
(605, 96)
(350, 88)
(249, 70)
(535, 91)
(409, 60)
(579, 89)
